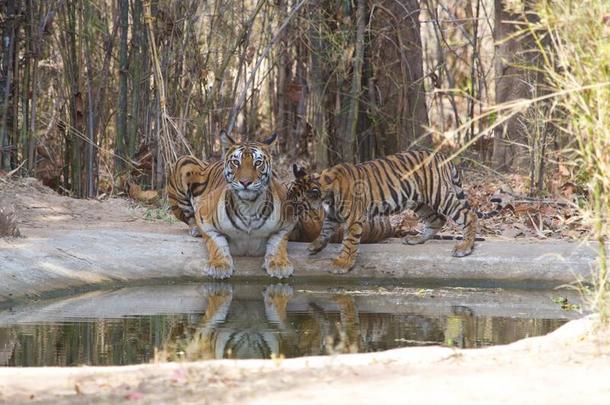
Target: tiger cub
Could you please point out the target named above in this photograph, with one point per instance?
(424, 182)
(310, 218)
(248, 214)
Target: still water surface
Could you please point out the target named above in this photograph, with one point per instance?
(219, 320)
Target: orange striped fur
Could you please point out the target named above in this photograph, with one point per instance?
(351, 194)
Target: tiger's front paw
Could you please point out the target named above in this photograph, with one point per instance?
(342, 264)
(278, 267)
(219, 268)
(316, 246)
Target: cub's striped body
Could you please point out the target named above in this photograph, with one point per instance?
(424, 182)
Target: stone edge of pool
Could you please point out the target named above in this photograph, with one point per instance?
(81, 259)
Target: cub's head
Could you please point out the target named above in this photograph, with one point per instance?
(305, 191)
(247, 166)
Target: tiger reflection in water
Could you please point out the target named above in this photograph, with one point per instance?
(237, 330)
(243, 329)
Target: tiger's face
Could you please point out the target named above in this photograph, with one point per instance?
(305, 191)
(247, 166)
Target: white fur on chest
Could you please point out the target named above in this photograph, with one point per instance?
(248, 235)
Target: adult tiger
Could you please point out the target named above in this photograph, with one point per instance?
(425, 182)
(190, 178)
(247, 214)
(236, 329)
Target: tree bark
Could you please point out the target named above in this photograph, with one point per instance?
(349, 142)
(121, 120)
(9, 47)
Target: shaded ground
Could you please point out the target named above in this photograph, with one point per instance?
(568, 366)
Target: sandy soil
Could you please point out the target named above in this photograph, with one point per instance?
(571, 365)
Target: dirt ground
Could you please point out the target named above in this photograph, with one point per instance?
(38, 208)
(570, 365)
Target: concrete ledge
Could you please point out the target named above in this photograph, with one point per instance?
(75, 259)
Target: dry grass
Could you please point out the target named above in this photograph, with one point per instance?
(577, 69)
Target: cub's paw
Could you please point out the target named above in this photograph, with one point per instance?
(195, 232)
(342, 265)
(278, 267)
(316, 246)
(413, 240)
(462, 249)
(219, 268)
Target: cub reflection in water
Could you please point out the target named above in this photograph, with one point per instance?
(245, 329)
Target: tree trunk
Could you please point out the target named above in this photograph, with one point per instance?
(121, 116)
(316, 81)
(398, 58)
(9, 47)
(349, 142)
(514, 80)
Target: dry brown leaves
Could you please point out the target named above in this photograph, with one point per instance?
(520, 216)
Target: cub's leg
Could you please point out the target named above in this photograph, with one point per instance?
(350, 322)
(276, 262)
(351, 240)
(219, 263)
(460, 212)
(329, 227)
(433, 222)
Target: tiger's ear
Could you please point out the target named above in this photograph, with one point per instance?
(298, 171)
(271, 139)
(225, 141)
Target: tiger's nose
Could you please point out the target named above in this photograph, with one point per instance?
(245, 183)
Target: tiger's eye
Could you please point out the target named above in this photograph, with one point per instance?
(313, 193)
(258, 163)
(235, 162)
